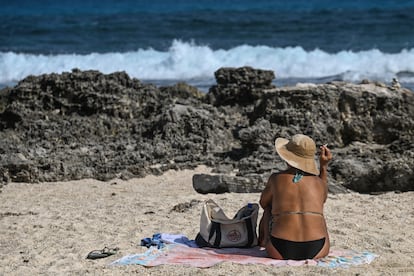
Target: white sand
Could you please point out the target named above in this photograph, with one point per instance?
(49, 228)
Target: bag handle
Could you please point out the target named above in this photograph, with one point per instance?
(249, 226)
(215, 228)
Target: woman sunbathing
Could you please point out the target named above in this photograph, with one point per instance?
(293, 226)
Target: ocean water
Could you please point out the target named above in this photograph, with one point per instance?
(163, 41)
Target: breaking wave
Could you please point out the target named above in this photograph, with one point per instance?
(186, 60)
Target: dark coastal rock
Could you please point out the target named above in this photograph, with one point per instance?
(373, 168)
(223, 183)
(241, 85)
(206, 183)
(85, 124)
(218, 184)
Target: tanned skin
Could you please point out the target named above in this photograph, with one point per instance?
(282, 195)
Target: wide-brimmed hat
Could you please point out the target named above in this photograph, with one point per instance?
(299, 152)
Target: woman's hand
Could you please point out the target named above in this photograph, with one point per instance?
(325, 156)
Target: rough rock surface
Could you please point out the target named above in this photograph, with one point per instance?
(85, 124)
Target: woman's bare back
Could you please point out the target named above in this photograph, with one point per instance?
(297, 208)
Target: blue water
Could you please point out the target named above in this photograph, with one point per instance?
(167, 41)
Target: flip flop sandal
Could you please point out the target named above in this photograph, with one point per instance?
(105, 252)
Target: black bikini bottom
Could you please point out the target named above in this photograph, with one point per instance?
(293, 250)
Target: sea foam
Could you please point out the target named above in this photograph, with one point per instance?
(187, 60)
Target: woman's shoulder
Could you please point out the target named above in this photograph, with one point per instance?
(280, 176)
(275, 175)
(284, 173)
(287, 175)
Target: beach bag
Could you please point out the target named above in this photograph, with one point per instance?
(218, 231)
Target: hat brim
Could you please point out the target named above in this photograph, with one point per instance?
(305, 164)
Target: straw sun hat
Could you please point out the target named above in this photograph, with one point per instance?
(299, 152)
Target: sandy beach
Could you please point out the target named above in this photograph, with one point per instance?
(49, 228)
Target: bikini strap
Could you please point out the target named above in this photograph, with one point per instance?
(297, 213)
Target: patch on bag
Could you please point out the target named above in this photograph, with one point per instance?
(234, 236)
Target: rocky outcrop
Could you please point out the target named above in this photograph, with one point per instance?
(85, 124)
(239, 85)
(219, 183)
